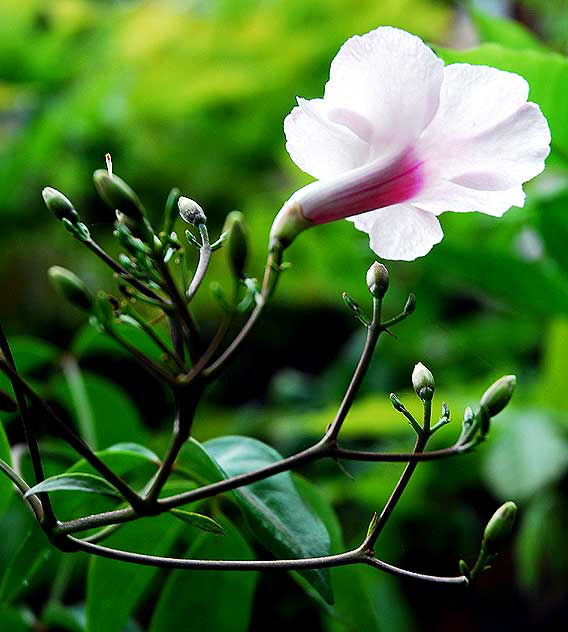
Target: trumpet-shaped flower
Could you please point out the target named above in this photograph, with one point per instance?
(399, 138)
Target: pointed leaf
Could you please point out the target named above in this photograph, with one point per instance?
(205, 523)
(277, 515)
(77, 482)
(188, 598)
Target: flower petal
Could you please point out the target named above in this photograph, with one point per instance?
(318, 145)
(485, 135)
(450, 196)
(391, 78)
(401, 232)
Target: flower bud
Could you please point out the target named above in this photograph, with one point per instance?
(236, 242)
(423, 382)
(498, 395)
(410, 305)
(118, 195)
(71, 287)
(59, 205)
(396, 403)
(378, 280)
(191, 212)
(499, 528)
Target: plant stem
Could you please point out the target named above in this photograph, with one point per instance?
(182, 309)
(373, 332)
(48, 515)
(314, 453)
(186, 405)
(403, 481)
(72, 439)
(356, 556)
(116, 267)
(271, 274)
(202, 264)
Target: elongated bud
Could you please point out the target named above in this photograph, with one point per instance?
(70, 286)
(7, 404)
(236, 242)
(410, 305)
(378, 280)
(191, 212)
(499, 528)
(423, 382)
(59, 205)
(118, 195)
(356, 309)
(396, 403)
(498, 395)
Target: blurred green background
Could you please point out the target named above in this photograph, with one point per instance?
(193, 94)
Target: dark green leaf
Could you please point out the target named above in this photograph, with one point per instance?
(277, 515)
(205, 523)
(75, 482)
(13, 620)
(353, 608)
(195, 463)
(6, 485)
(215, 601)
(115, 418)
(114, 589)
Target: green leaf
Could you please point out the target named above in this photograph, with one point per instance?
(75, 482)
(276, 513)
(509, 33)
(6, 485)
(205, 523)
(353, 608)
(14, 620)
(30, 355)
(540, 546)
(195, 463)
(525, 454)
(216, 601)
(56, 616)
(114, 589)
(114, 417)
(28, 557)
(546, 72)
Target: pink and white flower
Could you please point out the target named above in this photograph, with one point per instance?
(399, 138)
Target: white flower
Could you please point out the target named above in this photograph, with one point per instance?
(398, 139)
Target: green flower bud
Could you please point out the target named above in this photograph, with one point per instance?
(396, 403)
(191, 212)
(423, 382)
(378, 280)
(71, 287)
(498, 395)
(499, 528)
(118, 195)
(59, 205)
(410, 305)
(7, 404)
(236, 242)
